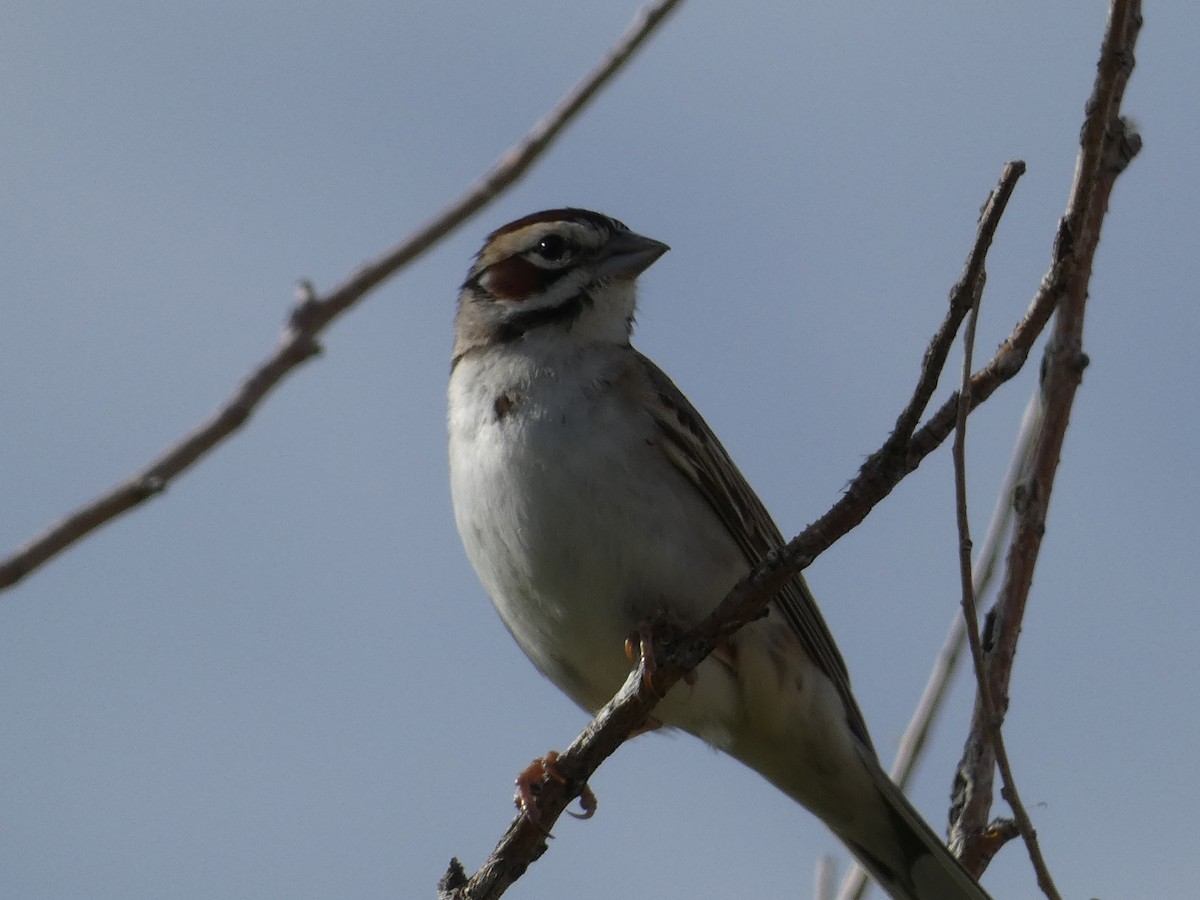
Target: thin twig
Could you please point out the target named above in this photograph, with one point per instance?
(313, 315)
(983, 573)
(1107, 145)
(971, 614)
(960, 304)
(674, 655)
(884, 468)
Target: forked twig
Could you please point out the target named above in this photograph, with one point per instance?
(1116, 57)
(1107, 145)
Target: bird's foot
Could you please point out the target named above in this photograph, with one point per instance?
(545, 768)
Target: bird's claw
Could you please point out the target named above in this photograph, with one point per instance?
(545, 768)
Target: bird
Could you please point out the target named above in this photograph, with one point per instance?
(592, 497)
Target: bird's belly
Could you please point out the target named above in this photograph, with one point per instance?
(580, 530)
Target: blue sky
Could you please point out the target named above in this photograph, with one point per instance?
(281, 679)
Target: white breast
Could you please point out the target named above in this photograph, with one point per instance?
(576, 523)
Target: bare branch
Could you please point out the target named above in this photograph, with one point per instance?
(1107, 145)
(313, 315)
(996, 833)
(883, 469)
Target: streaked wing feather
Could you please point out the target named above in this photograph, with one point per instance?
(694, 450)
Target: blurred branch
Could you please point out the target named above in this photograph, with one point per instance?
(313, 314)
(675, 654)
(1107, 146)
(824, 877)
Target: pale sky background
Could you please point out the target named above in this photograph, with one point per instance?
(282, 679)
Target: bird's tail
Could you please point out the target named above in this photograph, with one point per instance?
(901, 851)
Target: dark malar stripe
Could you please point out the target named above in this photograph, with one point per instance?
(564, 313)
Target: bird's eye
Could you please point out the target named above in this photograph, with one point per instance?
(553, 247)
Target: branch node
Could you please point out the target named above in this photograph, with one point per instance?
(1010, 361)
(306, 344)
(304, 317)
(1024, 495)
(1123, 144)
(998, 833)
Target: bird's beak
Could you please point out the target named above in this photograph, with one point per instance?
(629, 255)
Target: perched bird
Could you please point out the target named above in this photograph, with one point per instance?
(591, 497)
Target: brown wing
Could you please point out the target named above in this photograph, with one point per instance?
(692, 448)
